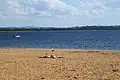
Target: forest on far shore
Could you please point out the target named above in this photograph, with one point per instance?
(30, 28)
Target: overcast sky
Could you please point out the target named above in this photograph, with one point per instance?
(59, 12)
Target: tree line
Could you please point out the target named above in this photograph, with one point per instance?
(59, 29)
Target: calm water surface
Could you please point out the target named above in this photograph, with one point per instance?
(62, 39)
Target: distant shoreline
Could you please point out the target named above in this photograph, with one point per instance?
(54, 30)
(74, 28)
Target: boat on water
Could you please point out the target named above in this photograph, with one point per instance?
(16, 36)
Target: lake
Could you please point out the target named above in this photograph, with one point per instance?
(91, 39)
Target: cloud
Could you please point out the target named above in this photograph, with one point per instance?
(98, 8)
(58, 11)
(93, 7)
(40, 7)
(58, 7)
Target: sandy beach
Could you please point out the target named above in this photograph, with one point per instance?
(25, 64)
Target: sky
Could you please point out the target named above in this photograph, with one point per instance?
(59, 13)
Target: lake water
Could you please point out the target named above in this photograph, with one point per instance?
(109, 40)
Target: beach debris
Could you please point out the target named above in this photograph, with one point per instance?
(51, 56)
(60, 57)
(115, 70)
(42, 78)
(75, 77)
(52, 50)
(93, 51)
(72, 70)
(106, 52)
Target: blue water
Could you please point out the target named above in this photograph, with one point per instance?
(109, 40)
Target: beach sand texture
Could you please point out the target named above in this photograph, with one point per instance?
(24, 64)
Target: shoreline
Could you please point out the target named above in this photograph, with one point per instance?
(65, 49)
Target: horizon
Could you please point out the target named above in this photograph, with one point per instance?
(57, 26)
(59, 13)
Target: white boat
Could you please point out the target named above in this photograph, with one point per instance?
(16, 36)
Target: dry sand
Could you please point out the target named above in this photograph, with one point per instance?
(24, 64)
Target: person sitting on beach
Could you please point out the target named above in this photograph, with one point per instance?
(51, 57)
(48, 56)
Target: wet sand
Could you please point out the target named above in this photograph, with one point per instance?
(25, 64)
